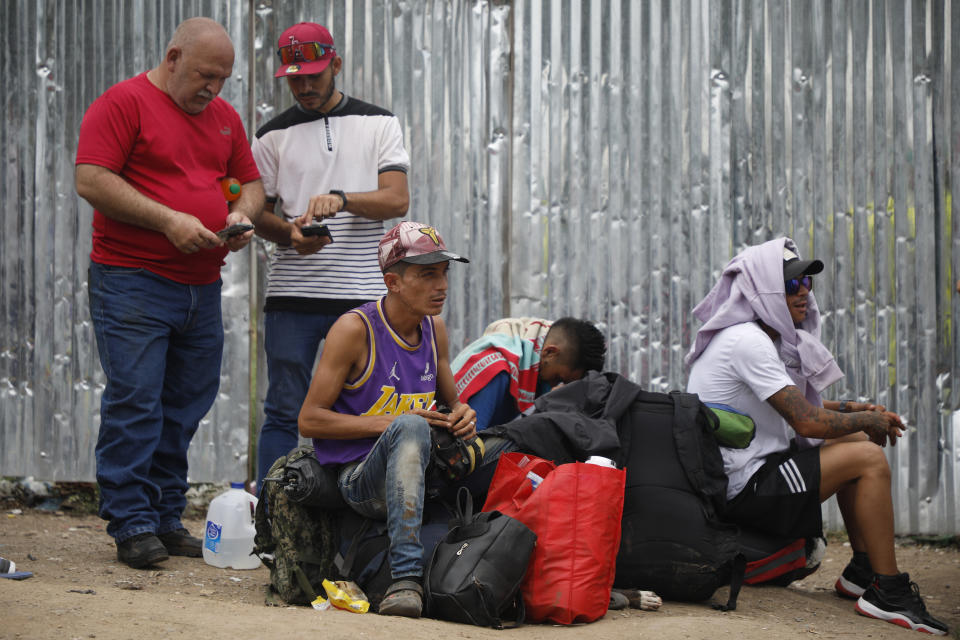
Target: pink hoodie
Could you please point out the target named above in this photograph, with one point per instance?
(751, 288)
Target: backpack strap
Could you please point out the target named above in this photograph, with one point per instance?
(464, 506)
(305, 585)
(685, 410)
(691, 419)
(624, 434)
(490, 610)
(466, 524)
(263, 538)
(344, 564)
(738, 569)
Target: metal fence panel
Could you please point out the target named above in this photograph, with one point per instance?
(49, 369)
(593, 158)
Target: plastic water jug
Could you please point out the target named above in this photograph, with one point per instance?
(228, 539)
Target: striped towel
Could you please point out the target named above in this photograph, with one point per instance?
(512, 345)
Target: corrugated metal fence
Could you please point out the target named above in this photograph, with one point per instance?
(597, 159)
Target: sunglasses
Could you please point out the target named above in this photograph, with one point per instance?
(303, 52)
(793, 285)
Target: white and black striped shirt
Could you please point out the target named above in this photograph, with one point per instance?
(301, 154)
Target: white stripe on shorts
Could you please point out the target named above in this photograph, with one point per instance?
(794, 479)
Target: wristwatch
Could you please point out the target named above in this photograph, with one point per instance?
(343, 197)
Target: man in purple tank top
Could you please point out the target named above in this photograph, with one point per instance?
(370, 407)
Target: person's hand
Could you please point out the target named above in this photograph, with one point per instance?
(864, 406)
(188, 234)
(238, 242)
(322, 206)
(306, 245)
(887, 427)
(461, 422)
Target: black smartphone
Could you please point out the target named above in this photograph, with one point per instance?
(234, 230)
(311, 230)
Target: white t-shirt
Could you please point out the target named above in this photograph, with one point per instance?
(741, 368)
(303, 154)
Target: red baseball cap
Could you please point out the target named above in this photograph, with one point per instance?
(414, 242)
(313, 55)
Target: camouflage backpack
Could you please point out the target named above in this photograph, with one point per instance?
(296, 542)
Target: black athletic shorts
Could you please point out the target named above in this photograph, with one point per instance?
(783, 497)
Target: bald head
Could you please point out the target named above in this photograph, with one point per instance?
(195, 32)
(198, 61)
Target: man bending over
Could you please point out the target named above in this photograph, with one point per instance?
(516, 360)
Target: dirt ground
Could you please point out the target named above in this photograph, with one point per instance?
(79, 590)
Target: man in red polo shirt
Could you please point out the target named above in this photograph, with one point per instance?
(151, 154)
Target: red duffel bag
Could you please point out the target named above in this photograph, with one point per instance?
(575, 512)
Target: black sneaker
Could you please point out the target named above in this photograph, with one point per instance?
(853, 581)
(141, 551)
(181, 543)
(901, 605)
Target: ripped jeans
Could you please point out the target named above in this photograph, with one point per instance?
(389, 484)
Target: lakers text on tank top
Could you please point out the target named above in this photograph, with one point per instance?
(398, 376)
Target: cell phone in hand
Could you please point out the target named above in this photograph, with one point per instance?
(311, 230)
(234, 230)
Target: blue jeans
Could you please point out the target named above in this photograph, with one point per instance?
(389, 484)
(291, 340)
(493, 403)
(160, 345)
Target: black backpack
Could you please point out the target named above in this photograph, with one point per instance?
(475, 573)
(673, 540)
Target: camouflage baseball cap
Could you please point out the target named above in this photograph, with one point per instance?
(414, 242)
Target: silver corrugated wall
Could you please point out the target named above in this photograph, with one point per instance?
(597, 159)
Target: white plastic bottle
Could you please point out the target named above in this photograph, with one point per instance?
(601, 461)
(228, 539)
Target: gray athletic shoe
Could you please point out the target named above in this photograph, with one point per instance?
(403, 598)
(618, 601)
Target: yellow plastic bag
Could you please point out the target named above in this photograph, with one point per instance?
(320, 603)
(346, 595)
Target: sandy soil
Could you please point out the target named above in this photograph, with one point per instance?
(79, 590)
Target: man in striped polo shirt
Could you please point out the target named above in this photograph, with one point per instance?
(759, 351)
(370, 407)
(333, 159)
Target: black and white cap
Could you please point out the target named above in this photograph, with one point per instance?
(794, 267)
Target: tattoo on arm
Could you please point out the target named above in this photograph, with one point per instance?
(811, 421)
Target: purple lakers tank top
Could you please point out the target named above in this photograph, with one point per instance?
(399, 376)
